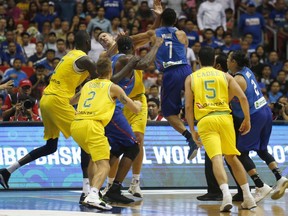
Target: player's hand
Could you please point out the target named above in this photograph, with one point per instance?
(196, 139)
(120, 34)
(8, 85)
(157, 7)
(134, 60)
(158, 41)
(245, 126)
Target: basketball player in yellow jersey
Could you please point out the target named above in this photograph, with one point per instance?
(207, 94)
(57, 113)
(94, 111)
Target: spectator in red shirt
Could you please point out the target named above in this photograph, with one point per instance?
(12, 102)
(153, 110)
(24, 110)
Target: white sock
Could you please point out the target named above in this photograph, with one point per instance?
(94, 191)
(225, 190)
(110, 180)
(246, 190)
(86, 186)
(13, 167)
(135, 178)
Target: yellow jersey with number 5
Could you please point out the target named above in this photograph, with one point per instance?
(95, 102)
(67, 77)
(210, 89)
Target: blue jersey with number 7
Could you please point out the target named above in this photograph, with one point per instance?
(172, 52)
(253, 93)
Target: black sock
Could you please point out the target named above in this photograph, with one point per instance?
(116, 182)
(257, 181)
(187, 134)
(277, 173)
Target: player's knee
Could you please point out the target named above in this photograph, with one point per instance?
(51, 146)
(132, 152)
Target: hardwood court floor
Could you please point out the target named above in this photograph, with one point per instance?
(155, 202)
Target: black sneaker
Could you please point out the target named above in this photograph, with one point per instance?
(4, 178)
(211, 197)
(82, 198)
(238, 197)
(193, 149)
(114, 194)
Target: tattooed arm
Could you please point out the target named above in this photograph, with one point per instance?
(117, 92)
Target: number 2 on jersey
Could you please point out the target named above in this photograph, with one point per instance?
(169, 44)
(87, 102)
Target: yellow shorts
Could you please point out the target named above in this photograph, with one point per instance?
(137, 121)
(89, 135)
(217, 135)
(57, 115)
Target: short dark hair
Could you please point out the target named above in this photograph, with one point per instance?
(60, 40)
(222, 60)
(240, 58)
(81, 39)
(124, 44)
(207, 56)
(40, 42)
(168, 17)
(104, 66)
(155, 100)
(52, 33)
(50, 50)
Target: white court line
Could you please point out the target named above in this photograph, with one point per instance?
(172, 191)
(46, 213)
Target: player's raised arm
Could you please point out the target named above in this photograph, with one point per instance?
(118, 92)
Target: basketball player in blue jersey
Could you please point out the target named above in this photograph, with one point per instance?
(171, 60)
(118, 131)
(261, 125)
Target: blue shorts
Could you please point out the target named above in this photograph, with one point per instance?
(173, 84)
(119, 133)
(259, 135)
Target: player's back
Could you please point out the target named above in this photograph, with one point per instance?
(95, 102)
(210, 89)
(67, 77)
(253, 93)
(172, 51)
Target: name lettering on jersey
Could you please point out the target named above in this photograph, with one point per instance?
(202, 106)
(84, 113)
(96, 85)
(208, 73)
(166, 36)
(55, 81)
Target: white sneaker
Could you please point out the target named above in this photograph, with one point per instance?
(94, 201)
(104, 191)
(226, 204)
(249, 203)
(261, 193)
(281, 186)
(135, 189)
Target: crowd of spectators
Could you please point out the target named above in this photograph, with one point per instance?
(36, 34)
